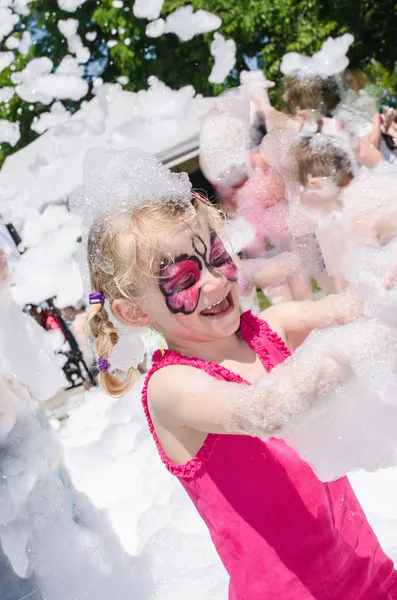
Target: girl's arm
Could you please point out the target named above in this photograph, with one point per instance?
(183, 396)
(273, 118)
(366, 154)
(268, 272)
(293, 321)
(374, 137)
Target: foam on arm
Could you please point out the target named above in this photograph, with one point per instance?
(182, 396)
(297, 319)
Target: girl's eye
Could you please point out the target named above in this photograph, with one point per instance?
(186, 283)
(220, 259)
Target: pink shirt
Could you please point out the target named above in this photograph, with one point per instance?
(281, 533)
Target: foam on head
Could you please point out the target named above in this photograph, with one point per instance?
(323, 155)
(309, 81)
(329, 61)
(128, 201)
(310, 91)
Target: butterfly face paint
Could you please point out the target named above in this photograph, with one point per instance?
(220, 259)
(179, 280)
(178, 284)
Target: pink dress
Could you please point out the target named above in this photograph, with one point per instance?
(281, 533)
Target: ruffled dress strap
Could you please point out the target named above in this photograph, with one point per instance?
(268, 345)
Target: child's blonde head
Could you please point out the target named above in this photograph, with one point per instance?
(123, 257)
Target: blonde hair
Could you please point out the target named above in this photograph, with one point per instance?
(311, 93)
(123, 256)
(322, 158)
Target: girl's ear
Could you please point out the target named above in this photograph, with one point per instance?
(130, 314)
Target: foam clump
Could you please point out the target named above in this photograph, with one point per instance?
(329, 61)
(147, 9)
(70, 5)
(370, 205)
(68, 28)
(48, 268)
(370, 269)
(185, 23)
(37, 82)
(8, 20)
(57, 115)
(6, 59)
(224, 140)
(120, 182)
(224, 54)
(26, 352)
(357, 428)
(6, 93)
(9, 132)
(39, 507)
(21, 7)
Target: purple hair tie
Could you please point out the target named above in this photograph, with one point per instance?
(103, 364)
(96, 298)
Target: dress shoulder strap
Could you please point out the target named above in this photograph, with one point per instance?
(166, 358)
(268, 345)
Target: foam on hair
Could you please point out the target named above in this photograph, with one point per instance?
(323, 155)
(123, 256)
(311, 92)
(128, 200)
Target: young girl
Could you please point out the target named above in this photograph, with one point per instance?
(156, 259)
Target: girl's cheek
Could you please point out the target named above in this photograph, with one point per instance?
(185, 302)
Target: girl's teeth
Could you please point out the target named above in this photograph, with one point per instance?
(215, 303)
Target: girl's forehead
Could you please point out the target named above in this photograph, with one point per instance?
(181, 240)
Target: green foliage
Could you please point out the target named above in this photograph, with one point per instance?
(264, 30)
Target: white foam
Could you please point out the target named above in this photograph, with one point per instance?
(70, 5)
(6, 59)
(58, 115)
(8, 20)
(36, 83)
(224, 53)
(147, 9)
(9, 132)
(185, 23)
(6, 93)
(330, 60)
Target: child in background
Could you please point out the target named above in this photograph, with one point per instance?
(324, 167)
(156, 259)
(347, 210)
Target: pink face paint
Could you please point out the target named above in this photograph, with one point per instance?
(178, 283)
(221, 260)
(179, 280)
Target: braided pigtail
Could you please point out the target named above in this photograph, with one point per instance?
(106, 337)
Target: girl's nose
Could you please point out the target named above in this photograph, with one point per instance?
(213, 282)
